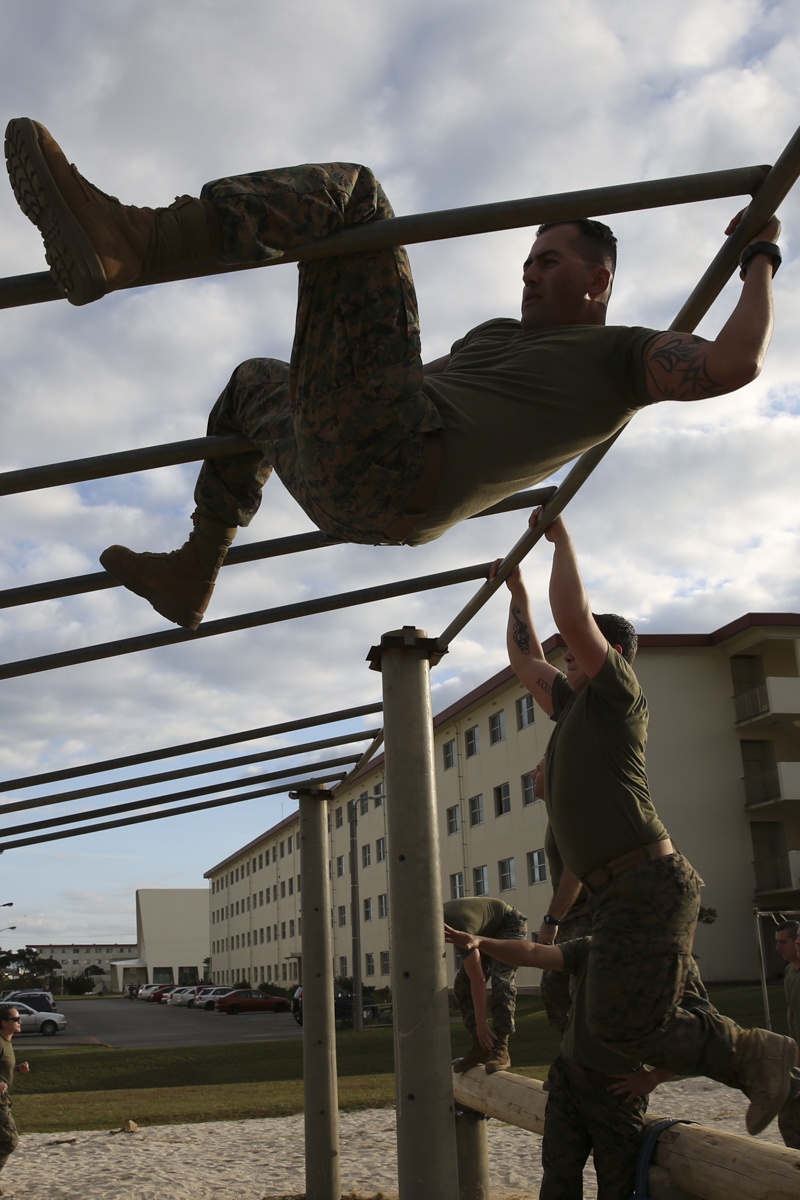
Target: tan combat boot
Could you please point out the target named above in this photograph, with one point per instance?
(499, 1059)
(178, 584)
(764, 1062)
(473, 1058)
(93, 244)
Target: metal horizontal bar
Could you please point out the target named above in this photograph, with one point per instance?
(267, 616)
(226, 739)
(38, 288)
(224, 764)
(121, 462)
(175, 812)
(76, 585)
(188, 794)
(365, 758)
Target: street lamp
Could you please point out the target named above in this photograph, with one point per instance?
(8, 904)
(7, 927)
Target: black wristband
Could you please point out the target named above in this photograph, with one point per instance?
(547, 919)
(771, 250)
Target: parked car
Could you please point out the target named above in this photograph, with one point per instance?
(157, 994)
(185, 997)
(208, 997)
(146, 990)
(244, 1000)
(34, 997)
(177, 994)
(342, 1007)
(33, 1021)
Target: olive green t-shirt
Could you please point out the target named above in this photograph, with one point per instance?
(8, 1063)
(519, 404)
(577, 1043)
(596, 791)
(480, 915)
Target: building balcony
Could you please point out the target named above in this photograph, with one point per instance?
(778, 696)
(779, 876)
(778, 786)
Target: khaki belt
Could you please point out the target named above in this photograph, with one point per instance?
(617, 866)
(403, 526)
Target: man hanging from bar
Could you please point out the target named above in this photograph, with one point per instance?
(375, 447)
(644, 896)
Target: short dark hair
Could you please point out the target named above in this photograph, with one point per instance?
(5, 1012)
(618, 631)
(791, 926)
(598, 243)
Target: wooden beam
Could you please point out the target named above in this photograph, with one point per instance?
(706, 1163)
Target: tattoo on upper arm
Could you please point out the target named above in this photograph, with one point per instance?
(544, 685)
(520, 632)
(677, 369)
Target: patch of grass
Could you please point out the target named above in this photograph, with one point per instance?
(94, 1087)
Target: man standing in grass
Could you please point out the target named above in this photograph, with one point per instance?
(9, 1025)
(486, 917)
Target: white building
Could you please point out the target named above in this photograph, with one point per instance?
(171, 938)
(724, 770)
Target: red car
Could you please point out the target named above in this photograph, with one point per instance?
(251, 1000)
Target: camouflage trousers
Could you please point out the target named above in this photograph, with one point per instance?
(641, 968)
(554, 987)
(789, 1122)
(345, 422)
(501, 977)
(582, 1118)
(9, 1138)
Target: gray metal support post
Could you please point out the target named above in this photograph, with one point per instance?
(473, 1155)
(323, 1167)
(426, 1138)
(355, 918)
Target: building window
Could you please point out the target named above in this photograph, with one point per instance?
(497, 727)
(366, 854)
(369, 964)
(507, 873)
(528, 795)
(472, 743)
(537, 867)
(378, 798)
(291, 885)
(340, 864)
(283, 931)
(343, 967)
(454, 819)
(457, 886)
(283, 889)
(289, 843)
(283, 849)
(291, 928)
(383, 904)
(480, 881)
(363, 803)
(449, 754)
(525, 711)
(476, 810)
(338, 817)
(342, 915)
(368, 909)
(384, 962)
(502, 800)
(380, 850)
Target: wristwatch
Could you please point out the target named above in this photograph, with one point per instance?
(769, 248)
(547, 919)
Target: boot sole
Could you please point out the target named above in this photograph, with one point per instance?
(185, 617)
(788, 1060)
(70, 255)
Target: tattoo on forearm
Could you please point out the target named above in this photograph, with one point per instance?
(543, 685)
(520, 632)
(678, 370)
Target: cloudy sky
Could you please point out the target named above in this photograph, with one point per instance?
(691, 521)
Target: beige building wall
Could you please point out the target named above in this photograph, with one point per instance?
(172, 933)
(724, 770)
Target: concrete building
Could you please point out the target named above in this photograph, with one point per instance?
(171, 939)
(724, 770)
(75, 958)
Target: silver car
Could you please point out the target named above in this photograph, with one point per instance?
(32, 1021)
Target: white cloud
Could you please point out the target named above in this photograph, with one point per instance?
(692, 519)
